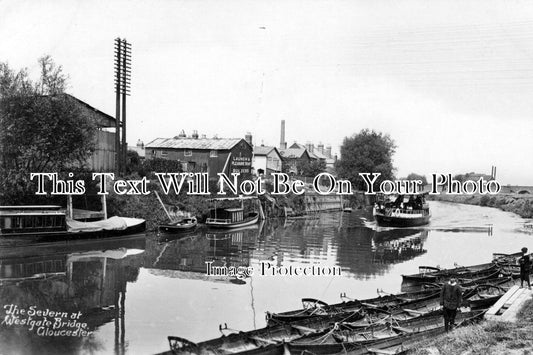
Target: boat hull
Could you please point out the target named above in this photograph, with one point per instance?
(229, 225)
(135, 226)
(179, 227)
(390, 221)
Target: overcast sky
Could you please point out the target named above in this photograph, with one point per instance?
(450, 81)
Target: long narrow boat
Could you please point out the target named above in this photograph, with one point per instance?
(313, 308)
(405, 311)
(433, 274)
(49, 222)
(380, 336)
(260, 341)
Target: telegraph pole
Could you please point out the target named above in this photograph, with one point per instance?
(122, 89)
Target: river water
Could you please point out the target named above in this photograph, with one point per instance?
(125, 295)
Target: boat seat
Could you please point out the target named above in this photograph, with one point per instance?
(263, 340)
(403, 330)
(413, 311)
(381, 351)
(303, 329)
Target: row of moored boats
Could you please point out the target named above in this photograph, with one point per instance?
(388, 324)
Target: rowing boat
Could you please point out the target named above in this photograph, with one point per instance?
(313, 308)
(181, 226)
(266, 340)
(387, 334)
(433, 274)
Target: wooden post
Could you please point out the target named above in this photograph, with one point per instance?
(70, 213)
(118, 81)
(162, 204)
(124, 88)
(104, 206)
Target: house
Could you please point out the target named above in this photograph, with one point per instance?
(201, 154)
(292, 156)
(138, 148)
(267, 160)
(318, 153)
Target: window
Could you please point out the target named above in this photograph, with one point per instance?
(164, 154)
(187, 153)
(213, 154)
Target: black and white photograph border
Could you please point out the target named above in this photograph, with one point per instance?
(265, 176)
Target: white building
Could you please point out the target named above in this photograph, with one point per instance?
(267, 160)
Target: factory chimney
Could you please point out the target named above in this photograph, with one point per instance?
(282, 143)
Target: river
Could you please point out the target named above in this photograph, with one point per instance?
(128, 294)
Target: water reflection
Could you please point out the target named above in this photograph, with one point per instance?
(83, 282)
(156, 285)
(359, 251)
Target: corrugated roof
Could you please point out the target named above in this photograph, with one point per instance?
(192, 143)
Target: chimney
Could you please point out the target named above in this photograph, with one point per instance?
(309, 146)
(204, 136)
(182, 134)
(140, 144)
(328, 151)
(282, 143)
(248, 138)
(320, 148)
(195, 134)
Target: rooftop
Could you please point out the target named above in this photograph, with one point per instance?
(195, 143)
(264, 150)
(293, 152)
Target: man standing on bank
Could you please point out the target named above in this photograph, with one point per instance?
(525, 267)
(450, 299)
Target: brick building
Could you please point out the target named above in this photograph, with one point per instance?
(212, 155)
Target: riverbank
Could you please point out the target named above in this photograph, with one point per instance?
(521, 204)
(149, 208)
(487, 337)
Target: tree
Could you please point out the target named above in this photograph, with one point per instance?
(414, 176)
(41, 129)
(366, 152)
(311, 168)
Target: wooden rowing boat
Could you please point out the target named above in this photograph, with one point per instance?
(485, 296)
(433, 274)
(266, 340)
(181, 226)
(313, 308)
(387, 334)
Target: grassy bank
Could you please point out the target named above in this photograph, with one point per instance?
(487, 337)
(521, 204)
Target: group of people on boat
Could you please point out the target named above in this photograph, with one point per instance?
(414, 202)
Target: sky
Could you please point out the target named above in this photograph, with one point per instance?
(450, 81)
